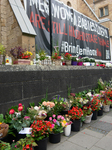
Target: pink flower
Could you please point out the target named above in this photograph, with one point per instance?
(54, 120)
(59, 116)
(44, 103)
(54, 116)
(72, 94)
(19, 104)
(20, 108)
(62, 118)
(11, 111)
(50, 118)
(52, 126)
(26, 117)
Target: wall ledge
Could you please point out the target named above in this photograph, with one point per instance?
(13, 68)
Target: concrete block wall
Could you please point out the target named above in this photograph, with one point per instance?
(28, 84)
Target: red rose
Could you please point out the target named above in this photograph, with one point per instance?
(20, 108)
(11, 111)
(19, 104)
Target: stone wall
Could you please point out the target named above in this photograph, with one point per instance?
(28, 84)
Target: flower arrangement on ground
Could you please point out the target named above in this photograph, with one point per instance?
(16, 118)
(75, 113)
(37, 113)
(41, 129)
(58, 123)
(87, 110)
(95, 103)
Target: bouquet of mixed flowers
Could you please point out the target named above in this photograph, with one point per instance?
(87, 110)
(41, 129)
(37, 113)
(68, 119)
(95, 103)
(58, 123)
(75, 113)
(16, 118)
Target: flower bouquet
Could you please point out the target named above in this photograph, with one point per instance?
(58, 123)
(16, 118)
(67, 58)
(37, 113)
(4, 146)
(67, 128)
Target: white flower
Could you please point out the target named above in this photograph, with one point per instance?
(36, 108)
(80, 100)
(85, 101)
(89, 94)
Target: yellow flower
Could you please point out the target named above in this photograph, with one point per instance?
(0, 122)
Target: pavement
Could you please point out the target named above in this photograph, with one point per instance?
(96, 135)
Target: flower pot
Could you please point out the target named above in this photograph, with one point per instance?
(55, 138)
(22, 61)
(76, 125)
(67, 130)
(74, 63)
(88, 118)
(94, 117)
(68, 62)
(57, 62)
(92, 64)
(63, 63)
(80, 63)
(86, 63)
(106, 108)
(42, 144)
(100, 112)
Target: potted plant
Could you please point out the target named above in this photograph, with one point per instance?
(17, 121)
(24, 144)
(42, 57)
(4, 145)
(67, 128)
(56, 59)
(76, 114)
(95, 105)
(67, 58)
(21, 56)
(2, 52)
(74, 60)
(92, 61)
(87, 112)
(106, 101)
(58, 123)
(40, 133)
(86, 61)
(80, 61)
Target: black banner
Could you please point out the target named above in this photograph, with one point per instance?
(72, 31)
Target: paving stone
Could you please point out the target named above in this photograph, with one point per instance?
(93, 133)
(107, 119)
(104, 126)
(67, 145)
(83, 140)
(105, 143)
(96, 148)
